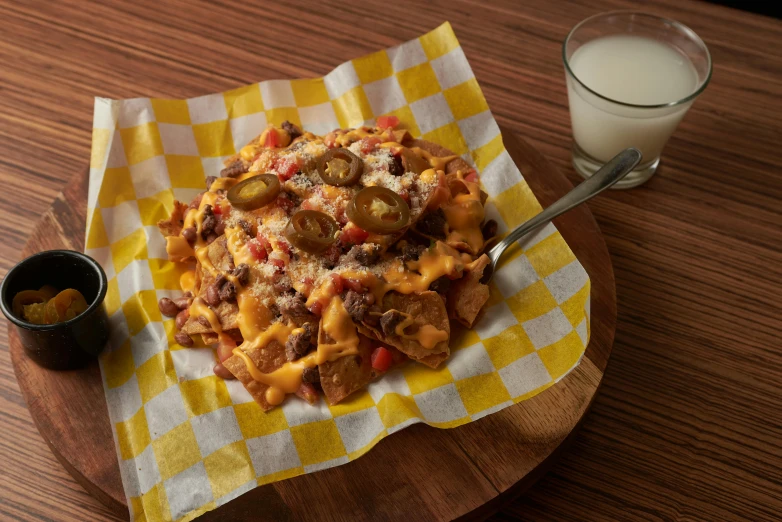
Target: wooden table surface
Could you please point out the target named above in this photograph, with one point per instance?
(688, 424)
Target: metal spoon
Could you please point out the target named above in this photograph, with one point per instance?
(610, 173)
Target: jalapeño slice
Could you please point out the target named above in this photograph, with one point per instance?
(25, 298)
(379, 210)
(65, 306)
(254, 192)
(340, 167)
(311, 231)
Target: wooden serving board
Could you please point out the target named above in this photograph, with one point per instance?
(419, 473)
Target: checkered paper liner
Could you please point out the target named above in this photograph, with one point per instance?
(188, 441)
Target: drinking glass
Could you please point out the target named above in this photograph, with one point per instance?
(631, 78)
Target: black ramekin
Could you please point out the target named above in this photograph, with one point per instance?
(73, 343)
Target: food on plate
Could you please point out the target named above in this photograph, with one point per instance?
(48, 306)
(317, 263)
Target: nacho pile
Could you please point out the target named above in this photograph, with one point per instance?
(319, 262)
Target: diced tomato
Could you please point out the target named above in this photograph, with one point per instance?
(263, 242)
(330, 140)
(386, 122)
(404, 194)
(284, 246)
(353, 235)
(217, 210)
(307, 205)
(272, 139)
(368, 144)
(257, 251)
(286, 168)
(222, 371)
(338, 282)
(354, 284)
(472, 177)
(316, 308)
(342, 217)
(381, 359)
(279, 259)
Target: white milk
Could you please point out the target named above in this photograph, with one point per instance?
(629, 69)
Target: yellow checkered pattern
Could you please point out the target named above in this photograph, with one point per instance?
(188, 441)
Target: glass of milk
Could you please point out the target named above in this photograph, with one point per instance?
(631, 78)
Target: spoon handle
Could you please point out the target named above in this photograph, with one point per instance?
(619, 166)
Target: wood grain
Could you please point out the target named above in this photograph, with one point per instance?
(689, 419)
(422, 473)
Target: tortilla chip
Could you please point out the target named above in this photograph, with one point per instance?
(173, 225)
(435, 149)
(425, 308)
(212, 338)
(400, 135)
(267, 359)
(227, 313)
(219, 255)
(435, 360)
(347, 374)
(467, 295)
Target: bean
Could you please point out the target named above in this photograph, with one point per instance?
(213, 294)
(183, 339)
(489, 229)
(225, 350)
(181, 318)
(190, 234)
(182, 302)
(209, 181)
(167, 307)
(222, 371)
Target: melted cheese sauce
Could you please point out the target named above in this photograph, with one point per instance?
(178, 249)
(339, 336)
(464, 214)
(427, 335)
(338, 325)
(430, 266)
(187, 281)
(287, 379)
(237, 246)
(436, 162)
(223, 184)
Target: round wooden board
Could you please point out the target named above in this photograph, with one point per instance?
(419, 473)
